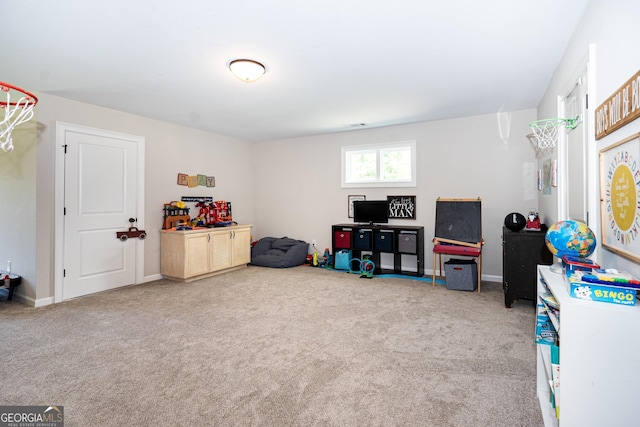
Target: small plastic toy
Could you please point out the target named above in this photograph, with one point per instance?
(533, 221)
(175, 213)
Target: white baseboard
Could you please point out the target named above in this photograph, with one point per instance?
(27, 300)
(153, 277)
(41, 302)
(49, 300)
(485, 277)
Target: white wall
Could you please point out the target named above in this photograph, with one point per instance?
(289, 187)
(170, 149)
(611, 27)
(292, 187)
(298, 194)
(18, 210)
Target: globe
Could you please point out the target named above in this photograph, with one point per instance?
(571, 238)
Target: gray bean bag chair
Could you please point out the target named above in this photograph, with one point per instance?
(279, 252)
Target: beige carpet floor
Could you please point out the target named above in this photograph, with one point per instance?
(276, 347)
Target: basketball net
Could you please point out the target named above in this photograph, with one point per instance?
(15, 113)
(546, 132)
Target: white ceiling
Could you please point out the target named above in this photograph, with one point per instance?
(331, 64)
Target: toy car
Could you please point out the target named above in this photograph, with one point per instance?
(133, 232)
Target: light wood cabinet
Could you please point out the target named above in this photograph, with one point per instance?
(195, 245)
(230, 249)
(194, 254)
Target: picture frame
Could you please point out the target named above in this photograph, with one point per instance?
(546, 177)
(183, 179)
(402, 207)
(619, 207)
(211, 181)
(539, 179)
(350, 200)
(202, 180)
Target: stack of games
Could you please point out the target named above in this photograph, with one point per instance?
(605, 285)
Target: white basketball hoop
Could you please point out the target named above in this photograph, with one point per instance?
(15, 113)
(545, 131)
(533, 140)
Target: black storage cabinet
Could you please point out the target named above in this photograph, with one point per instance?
(522, 251)
(404, 243)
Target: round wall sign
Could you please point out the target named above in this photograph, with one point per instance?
(621, 196)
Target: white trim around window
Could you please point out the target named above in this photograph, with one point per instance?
(391, 164)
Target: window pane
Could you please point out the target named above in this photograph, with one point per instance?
(379, 165)
(396, 164)
(361, 166)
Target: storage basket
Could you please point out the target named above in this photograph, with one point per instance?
(461, 274)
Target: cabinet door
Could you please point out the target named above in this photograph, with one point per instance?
(221, 250)
(522, 252)
(241, 247)
(196, 254)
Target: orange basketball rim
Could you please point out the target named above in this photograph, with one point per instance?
(15, 112)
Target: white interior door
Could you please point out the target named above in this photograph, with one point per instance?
(576, 155)
(101, 193)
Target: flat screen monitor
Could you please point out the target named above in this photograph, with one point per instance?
(371, 211)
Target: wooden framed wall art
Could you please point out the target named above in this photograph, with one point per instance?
(619, 197)
(352, 199)
(619, 109)
(403, 207)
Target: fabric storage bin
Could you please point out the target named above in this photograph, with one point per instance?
(342, 259)
(461, 274)
(342, 239)
(383, 241)
(407, 243)
(362, 240)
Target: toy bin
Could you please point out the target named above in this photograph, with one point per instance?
(362, 240)
(407, 242)
(383, 241)
(342, 259)
(461, 274)
(342, 239)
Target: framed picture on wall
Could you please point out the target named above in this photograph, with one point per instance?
(539, 179)
(546, 177)
(402, 207)
(619, 204)
(352, 199)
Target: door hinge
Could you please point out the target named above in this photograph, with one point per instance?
(64, 210)
(64, 272)
(586, 102)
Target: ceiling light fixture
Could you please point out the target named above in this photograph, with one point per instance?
(247, 70)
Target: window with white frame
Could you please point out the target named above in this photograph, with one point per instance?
(390, 164)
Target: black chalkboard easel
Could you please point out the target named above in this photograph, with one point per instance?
(459, 221)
